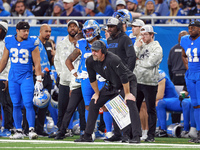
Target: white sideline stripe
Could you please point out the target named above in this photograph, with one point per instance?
(89, 147)
(98, 143)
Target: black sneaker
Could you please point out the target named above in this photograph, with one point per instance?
(60, 136)
(162, 133)
(192, 140)
(52, 135)
(113, 139)
(42, 134)
(125, 139)
(84, 139)
(69, 133)
(135, 140)
(149, 139)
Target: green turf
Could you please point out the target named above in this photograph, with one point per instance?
(49, 144)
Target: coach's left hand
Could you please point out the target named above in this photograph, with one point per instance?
(95, 97)
(129, 96)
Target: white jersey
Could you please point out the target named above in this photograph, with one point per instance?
(149, 58)
(4, 73)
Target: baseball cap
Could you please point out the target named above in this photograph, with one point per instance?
(112, 21)
(59, 4)
(68, 1)
(122, 2)
(176, 1)
(72, 21)
(150, 1)
(90, 5)
(133, 1)
(195, 23)
(147, 28)
(138, 23)
(96, 45)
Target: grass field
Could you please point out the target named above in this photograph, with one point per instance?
(51, 144)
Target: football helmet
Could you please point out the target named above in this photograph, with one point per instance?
(124, 15)
(174, 130)
(41, 98)
(54, 97)
(91, 24)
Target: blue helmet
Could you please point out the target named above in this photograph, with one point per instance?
(124, 15)
(41, 98)
(91, 24)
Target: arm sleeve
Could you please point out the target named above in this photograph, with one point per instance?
(90, 69)
(130, 53)
(155, 58)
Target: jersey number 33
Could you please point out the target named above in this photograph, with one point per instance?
(20, 56)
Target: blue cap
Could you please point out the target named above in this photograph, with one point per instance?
(176, 1)
(59, 4)
(133, 1)
(1, 5)
(150, 1)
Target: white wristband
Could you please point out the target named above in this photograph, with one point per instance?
(73, 71)
(39, 77)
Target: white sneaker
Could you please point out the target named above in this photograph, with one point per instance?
(109, 134)
(193, 132)
(17, 135)
(93, 136)
(144, 136)
(184, 134)
(32, 134)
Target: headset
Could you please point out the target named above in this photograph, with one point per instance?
(103, 47)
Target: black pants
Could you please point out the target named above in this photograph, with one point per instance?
(106, 95)
(7, 106)
(149, 93)
(63, 100)
(41, 112)
(75, 99)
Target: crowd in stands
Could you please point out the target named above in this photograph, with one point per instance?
(137, 8)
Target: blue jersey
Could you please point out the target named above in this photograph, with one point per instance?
(170, 90)
(86, 52)
(20, 54)
(44, 61)
(192, 50)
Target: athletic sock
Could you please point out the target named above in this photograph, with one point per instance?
(108, 121)
(86, 114)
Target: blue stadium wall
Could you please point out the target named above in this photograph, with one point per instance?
(167, 37)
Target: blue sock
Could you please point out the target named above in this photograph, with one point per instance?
(192, 121)
(161, 114)
(2, 114)
(86, 114)
(186, 114)
(197, 118)
(54, 113)
(30, 116)
(108, 121)
(70, 126)
(17, 116)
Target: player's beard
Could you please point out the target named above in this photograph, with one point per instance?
(73, 35)
(24, 38)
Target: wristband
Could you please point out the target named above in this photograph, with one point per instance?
(73, 71)
(39, 77)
